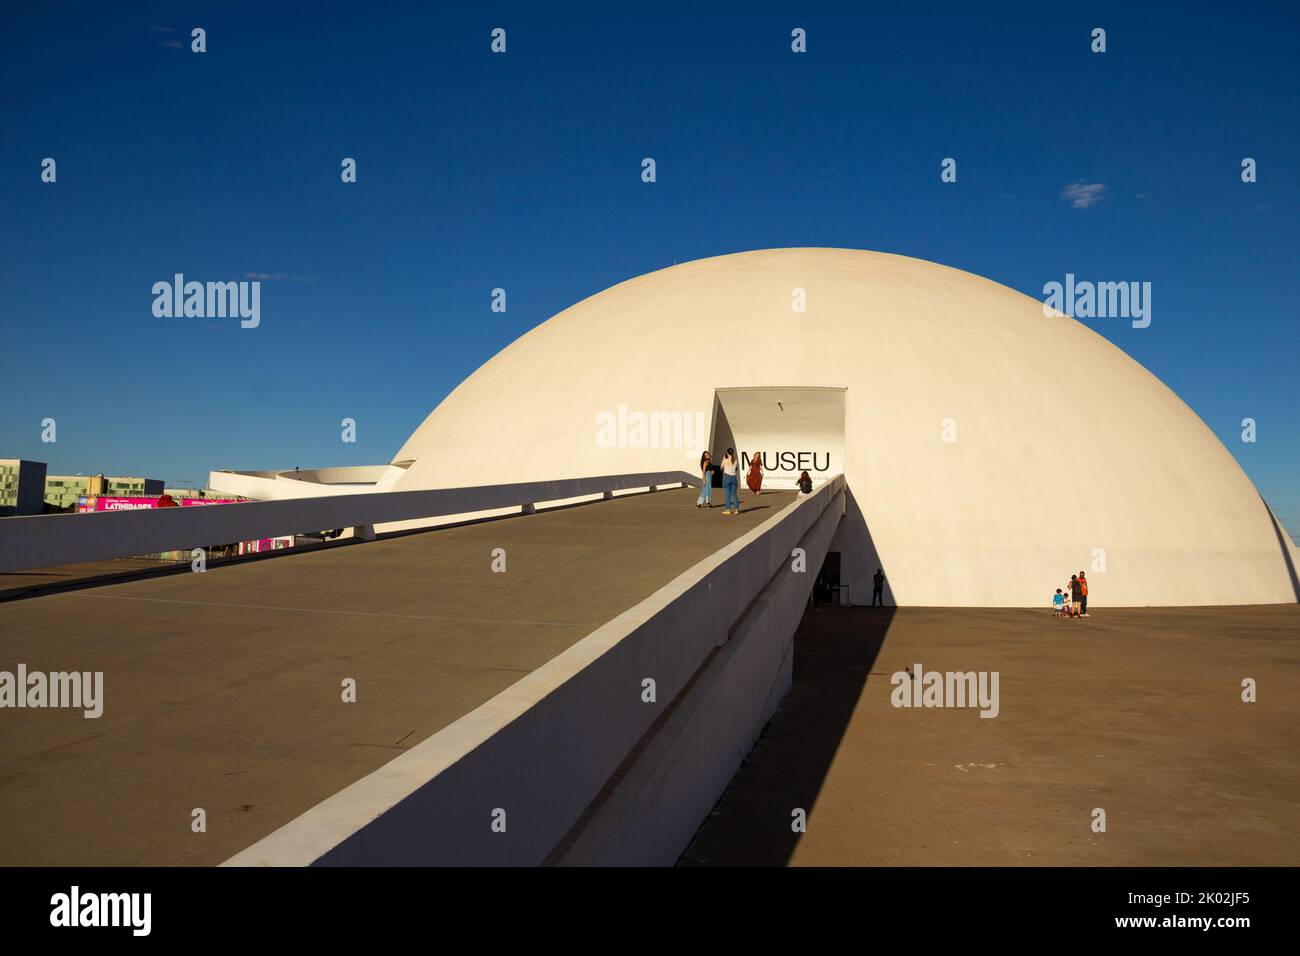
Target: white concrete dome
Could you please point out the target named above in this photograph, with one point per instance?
(990, 451)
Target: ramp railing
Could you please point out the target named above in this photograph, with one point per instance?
(47, 540)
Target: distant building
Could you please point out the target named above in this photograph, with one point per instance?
(22, 487)
(146, 487)
(63, 491)
(179, 493)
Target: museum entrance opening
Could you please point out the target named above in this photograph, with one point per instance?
(790, 429)
(828, 588)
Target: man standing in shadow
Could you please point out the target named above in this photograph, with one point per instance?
(878, 588)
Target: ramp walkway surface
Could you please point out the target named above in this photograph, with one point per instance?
(223, 690)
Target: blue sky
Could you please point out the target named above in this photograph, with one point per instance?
(523, 171)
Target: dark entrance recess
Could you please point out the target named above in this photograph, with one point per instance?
(827, 588)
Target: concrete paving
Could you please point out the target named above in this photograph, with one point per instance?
(223, 690)
(1135, 711)
(26, 583)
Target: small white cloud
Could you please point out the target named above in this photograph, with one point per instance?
(1081, 195)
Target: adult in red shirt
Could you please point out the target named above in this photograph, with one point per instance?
(1083, 595)
(755, 477)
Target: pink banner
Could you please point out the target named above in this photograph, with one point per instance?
(107, 503)
(118, 503)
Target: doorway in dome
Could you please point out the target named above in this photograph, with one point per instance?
(790, 429)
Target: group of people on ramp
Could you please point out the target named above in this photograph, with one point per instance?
(730, 469)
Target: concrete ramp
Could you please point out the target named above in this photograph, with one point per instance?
(528, 777)
(222, 691)
(665, 789)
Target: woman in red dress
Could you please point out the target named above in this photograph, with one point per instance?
(755, 477)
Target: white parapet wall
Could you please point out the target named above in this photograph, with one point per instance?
(305, 483)
(50, 540)
(507, 783)
(676, 776)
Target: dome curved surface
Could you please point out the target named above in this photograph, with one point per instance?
(990, 451)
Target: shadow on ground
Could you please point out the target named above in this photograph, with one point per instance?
(834, 651)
